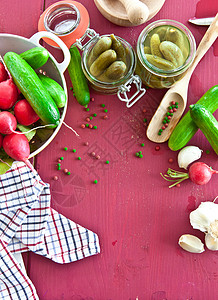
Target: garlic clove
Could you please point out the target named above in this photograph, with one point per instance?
(187, 155)
(191, 243)
(202, 217)
(211, 242)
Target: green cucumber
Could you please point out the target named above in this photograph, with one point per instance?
(207, 124)
(35, 57)
(186, 128)
(32, 88)
(78, 79)
(55, 90)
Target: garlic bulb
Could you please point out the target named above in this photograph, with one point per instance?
(205, 218)
(187, 155)
(191, 243)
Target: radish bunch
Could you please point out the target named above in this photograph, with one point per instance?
(15, 144)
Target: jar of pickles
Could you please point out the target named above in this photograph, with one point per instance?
(108, 61)
(165, 50)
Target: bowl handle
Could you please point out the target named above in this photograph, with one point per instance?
(37, 37)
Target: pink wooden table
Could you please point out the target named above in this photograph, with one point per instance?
(138, 219)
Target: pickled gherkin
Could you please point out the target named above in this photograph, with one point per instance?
(172, 52)
(118, 47)
(102, 62)
(176, 36)
(159, 62)
(114, 72)
(155, 45)
(102, 45)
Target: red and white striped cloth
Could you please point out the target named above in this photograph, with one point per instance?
(27, 222)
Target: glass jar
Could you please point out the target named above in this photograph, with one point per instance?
(69, 20)
(120, 86)
(165, 50)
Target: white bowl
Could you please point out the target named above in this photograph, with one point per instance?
(55, 70)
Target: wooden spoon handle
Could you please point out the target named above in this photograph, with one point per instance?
(136, 10)
(206, 42)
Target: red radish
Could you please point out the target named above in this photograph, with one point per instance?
(199, 173)
(24, 113)
(3, 73)
(17, 147)
(1, 139)
(8, 122)
(8, 94)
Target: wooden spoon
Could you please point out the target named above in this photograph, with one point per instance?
(179, 91)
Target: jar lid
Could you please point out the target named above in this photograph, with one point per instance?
(68, 20)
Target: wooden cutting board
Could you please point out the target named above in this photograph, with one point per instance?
(115, 12)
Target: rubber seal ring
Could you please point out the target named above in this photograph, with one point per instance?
(68, 39)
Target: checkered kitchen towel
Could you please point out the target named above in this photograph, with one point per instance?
(27, 222)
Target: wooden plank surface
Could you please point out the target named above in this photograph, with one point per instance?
(138, 219)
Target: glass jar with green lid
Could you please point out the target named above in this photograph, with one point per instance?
(165, 50)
